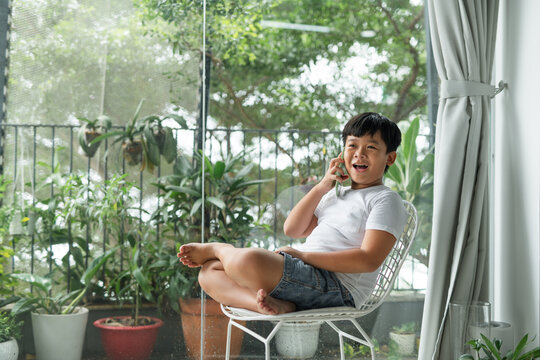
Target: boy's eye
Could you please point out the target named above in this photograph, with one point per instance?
(371, 147)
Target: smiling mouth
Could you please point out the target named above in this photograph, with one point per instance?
(359, 167)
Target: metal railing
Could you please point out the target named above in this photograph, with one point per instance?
(291, 160)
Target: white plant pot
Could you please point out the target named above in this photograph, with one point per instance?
(59, 336)
(404, 342)
(298, 340)
(9, 350)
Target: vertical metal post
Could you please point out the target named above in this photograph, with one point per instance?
(206, 65)
(5, 17)
(432, 80)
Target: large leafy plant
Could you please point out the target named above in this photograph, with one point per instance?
(228, 210)
(41, 297)
(412, 178)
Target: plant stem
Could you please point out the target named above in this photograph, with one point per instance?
(75, 301)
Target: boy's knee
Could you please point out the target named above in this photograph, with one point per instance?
(249, 258)
(206, 270)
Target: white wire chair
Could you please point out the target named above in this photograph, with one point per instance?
(385, 280)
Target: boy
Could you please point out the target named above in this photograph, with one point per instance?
(347, 236)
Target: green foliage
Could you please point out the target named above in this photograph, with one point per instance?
(405, 328)
(412, 178)
(492, 350)
(39, 299)
(145, 140)
(227, 216)
(355, 350)
(9, 327)
(90, 130)
(256, 67)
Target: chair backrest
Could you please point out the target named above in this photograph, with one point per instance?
(392, 264)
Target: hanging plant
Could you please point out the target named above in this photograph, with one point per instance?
(159, 138)
(90, 130)
(145, 140)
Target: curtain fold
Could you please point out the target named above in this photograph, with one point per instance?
(463, 38)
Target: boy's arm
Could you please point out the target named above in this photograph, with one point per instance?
(375, 248)
(302, 220)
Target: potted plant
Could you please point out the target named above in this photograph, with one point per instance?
(159, 138)
(90, 130)
(58, 323)
(492, 350)
(144, 140)
(10, 332)
(403, 337)
(127, 337)
(227, 219)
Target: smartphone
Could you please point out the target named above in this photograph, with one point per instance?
(344, 172)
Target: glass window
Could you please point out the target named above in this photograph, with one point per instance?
(281, 79)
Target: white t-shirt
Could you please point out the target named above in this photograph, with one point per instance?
(343, 221)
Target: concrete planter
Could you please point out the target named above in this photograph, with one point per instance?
(405, 342)
(298, 340)
(59, 336)
(9, 350)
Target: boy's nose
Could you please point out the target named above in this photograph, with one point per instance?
(361, 153)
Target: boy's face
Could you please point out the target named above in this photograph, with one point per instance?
(365, 159)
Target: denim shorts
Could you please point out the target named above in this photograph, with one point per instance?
(309, 287)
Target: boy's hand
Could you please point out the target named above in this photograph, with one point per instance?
(334, 173)
(289, 250)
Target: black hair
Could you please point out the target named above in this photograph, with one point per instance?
(370, 123)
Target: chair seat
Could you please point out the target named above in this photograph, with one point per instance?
(331, 313)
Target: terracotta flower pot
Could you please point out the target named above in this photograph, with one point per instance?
(128, 342)
(215, 330)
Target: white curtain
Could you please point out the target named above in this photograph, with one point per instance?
(463, 38)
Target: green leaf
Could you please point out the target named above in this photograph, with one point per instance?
(24, 305)
(143, 283)
(216, 201)
(394, 174)
(409, 140)
(195, 207)
(179, 120)
(43, 283)
(96, 265)
(182, 189)
(169, 147)
(153, 151)
(519, 348)
(219, 170)
(413, 187)
(182, 166)
(139, 107)
(491, 347)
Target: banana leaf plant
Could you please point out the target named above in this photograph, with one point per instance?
(62, 303)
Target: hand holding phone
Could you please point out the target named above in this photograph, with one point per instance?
(343, 170)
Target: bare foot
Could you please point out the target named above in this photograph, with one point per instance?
(271, 306)
(195, 254)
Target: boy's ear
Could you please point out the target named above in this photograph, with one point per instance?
(391, 158)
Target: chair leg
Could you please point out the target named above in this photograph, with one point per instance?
(228, 348)
(341, 349)
(365, 341)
